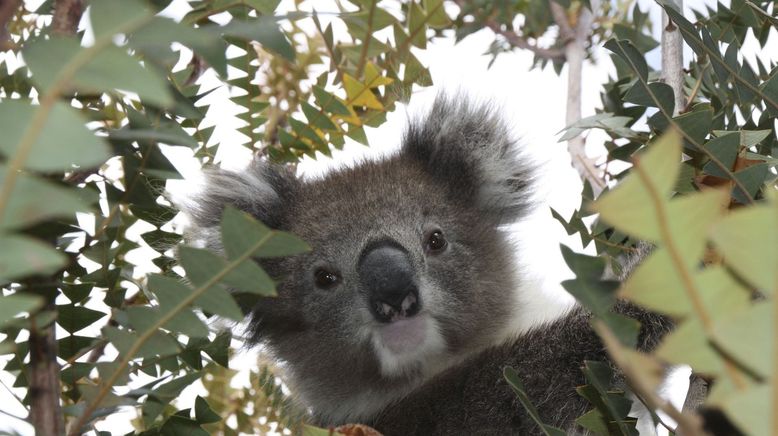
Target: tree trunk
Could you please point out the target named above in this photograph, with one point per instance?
(45, 410)
(575, 52)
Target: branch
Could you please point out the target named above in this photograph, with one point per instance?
(575, 40)
(7, 9)
(67, 14)
(514, 38)
(672, 58)
(45, 411)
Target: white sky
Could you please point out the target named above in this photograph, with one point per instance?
(534, 103)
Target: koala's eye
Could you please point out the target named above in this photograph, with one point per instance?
(326, 279)
(436, 242)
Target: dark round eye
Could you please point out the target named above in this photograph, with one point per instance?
(326, 279)
(436, 242)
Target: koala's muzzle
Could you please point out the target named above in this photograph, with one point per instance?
(386, 274)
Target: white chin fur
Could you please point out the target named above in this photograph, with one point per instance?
(408, 345)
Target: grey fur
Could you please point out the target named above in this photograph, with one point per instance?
(459, 171)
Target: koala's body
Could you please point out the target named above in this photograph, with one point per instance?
(402, 316)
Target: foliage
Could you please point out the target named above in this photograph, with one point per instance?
(86, 119)
(711, 270)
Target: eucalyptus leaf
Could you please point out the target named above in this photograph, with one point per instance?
(60, 143)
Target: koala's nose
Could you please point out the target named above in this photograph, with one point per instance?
(385, 271)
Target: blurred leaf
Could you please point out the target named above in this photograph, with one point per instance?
(265, 31)
(15, 304)
(59, 143)
(22, 256)
(107, 69)
(749, 237)
(631, 205)
(34, 200)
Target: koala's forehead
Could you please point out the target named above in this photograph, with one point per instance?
(366, 198)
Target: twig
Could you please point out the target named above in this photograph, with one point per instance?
(515, 39)
(690, 424)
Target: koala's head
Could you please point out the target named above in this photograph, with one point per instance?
(408, 268)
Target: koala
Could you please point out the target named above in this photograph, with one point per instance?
(400, 316)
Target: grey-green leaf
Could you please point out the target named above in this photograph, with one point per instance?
(22, 256)
(60, 142)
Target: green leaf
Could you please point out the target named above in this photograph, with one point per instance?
(60, 142)
(588, 287)
(747, 336)
(329, 102)
(751, 179)
(688, 345)
(263, 30)
(16, 304)
(240, 232)
(203, 412)
(170, 292)
(158, 344)
(316, 118)
(69, 346)
(22, 256)
(630, 206)
(725, 149)
(515, 383)
(177, 425)
(616, 406)
(108, 17)
(749, 238)
(173, 135)
(74, 318)
(33, 200)
(750, 409)
(202, 265)
(110, 68)
(655, 94)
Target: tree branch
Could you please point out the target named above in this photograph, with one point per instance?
(7, 9)
(67, 14)
(45, 411)
(575, 40)
(672, 57)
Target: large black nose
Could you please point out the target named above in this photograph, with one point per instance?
(387, 274)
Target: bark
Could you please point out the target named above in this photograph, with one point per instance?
(672, 58)
(67, 14)
(576, 39)
(45, 410)
(7, 10)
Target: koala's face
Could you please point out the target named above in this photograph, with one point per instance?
(402, 268)
(409, 270)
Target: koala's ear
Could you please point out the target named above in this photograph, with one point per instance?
(263, 190)
(470, 147)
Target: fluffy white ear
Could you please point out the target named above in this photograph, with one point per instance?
(260, 190)
(470, 146)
